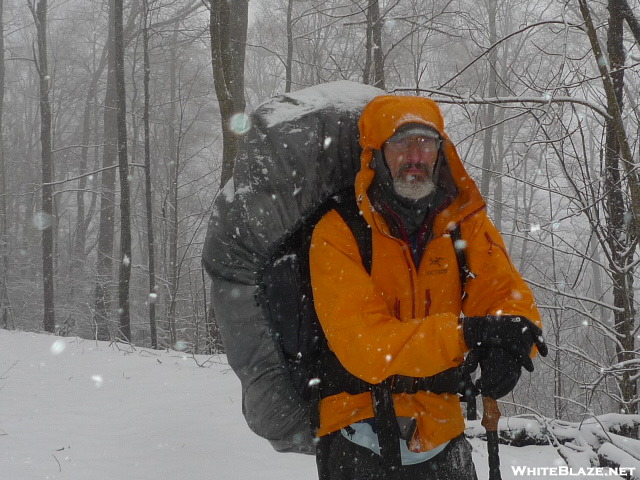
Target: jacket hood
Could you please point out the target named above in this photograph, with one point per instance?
(380, 119)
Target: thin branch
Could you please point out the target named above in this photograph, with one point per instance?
(91, 173)
(503, 39)
(474, 100)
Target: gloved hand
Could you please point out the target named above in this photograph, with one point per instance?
(500, 372)
(513, 333)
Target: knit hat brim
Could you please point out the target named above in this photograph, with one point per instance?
(413, 130)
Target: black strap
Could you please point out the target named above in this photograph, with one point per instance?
(387, 423)
(459, 246)
(469, 389)
(350, 213)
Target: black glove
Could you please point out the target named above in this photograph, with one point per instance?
(466, 388)
(513, 333)
(500, 372)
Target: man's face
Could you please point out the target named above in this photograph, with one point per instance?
(411, 161)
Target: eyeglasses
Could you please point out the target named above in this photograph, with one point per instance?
(425, 144)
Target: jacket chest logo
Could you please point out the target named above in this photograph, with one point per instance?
(436, 261)
(437, 266)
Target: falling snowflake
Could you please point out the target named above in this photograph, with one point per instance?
(313, 382)
(240, 123)
(58, 347)
(41, 220)
(97, 380)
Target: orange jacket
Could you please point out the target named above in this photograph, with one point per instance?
(403, 319)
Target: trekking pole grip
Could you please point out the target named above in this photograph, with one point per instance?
(490, 418)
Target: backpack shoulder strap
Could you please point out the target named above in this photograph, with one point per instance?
(348, 209)
(459, 246)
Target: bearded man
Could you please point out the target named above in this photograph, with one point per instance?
(405, 325)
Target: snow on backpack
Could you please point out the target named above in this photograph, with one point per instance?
(299, 162)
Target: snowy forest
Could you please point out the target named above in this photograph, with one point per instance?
(119, 124)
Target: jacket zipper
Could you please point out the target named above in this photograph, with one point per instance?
(427, 302)
(396, 309)
(406, 254)
(406, 249)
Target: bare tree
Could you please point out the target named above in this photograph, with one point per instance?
(228, 29)
(39, 12)
(620, 237)
(173, 160)
(124, 276)
(83, 217)
(5, 305)
(374, 61)
(106, 227)
(289, 60)
(622, 234)
(487, 149)
(147, 177)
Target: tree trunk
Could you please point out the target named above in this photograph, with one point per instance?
(378, 57)
(619, 235)
(289, 62)
(153, 294)
(228, 29)
(5, 306)
(499, 140)
(487, 143)
(374, 62)
(124, 276)
(615, 115)
(174, 164)
(39, 12)
(82, 218)
(632, 21)
(107, 196)
(81, 224)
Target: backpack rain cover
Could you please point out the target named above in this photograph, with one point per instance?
(302, 148)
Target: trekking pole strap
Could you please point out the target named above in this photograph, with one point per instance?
(387, 424)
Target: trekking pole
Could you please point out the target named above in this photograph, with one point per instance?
(490, 418)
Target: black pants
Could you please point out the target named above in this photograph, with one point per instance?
(340, 459)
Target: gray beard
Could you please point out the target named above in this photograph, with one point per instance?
(413, 190)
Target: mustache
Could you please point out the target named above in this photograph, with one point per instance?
(420, 166)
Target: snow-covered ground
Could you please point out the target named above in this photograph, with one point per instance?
(86, 410)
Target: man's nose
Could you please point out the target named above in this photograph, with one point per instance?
(413, 152)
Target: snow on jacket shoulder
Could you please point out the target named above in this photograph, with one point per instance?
(403, 318)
